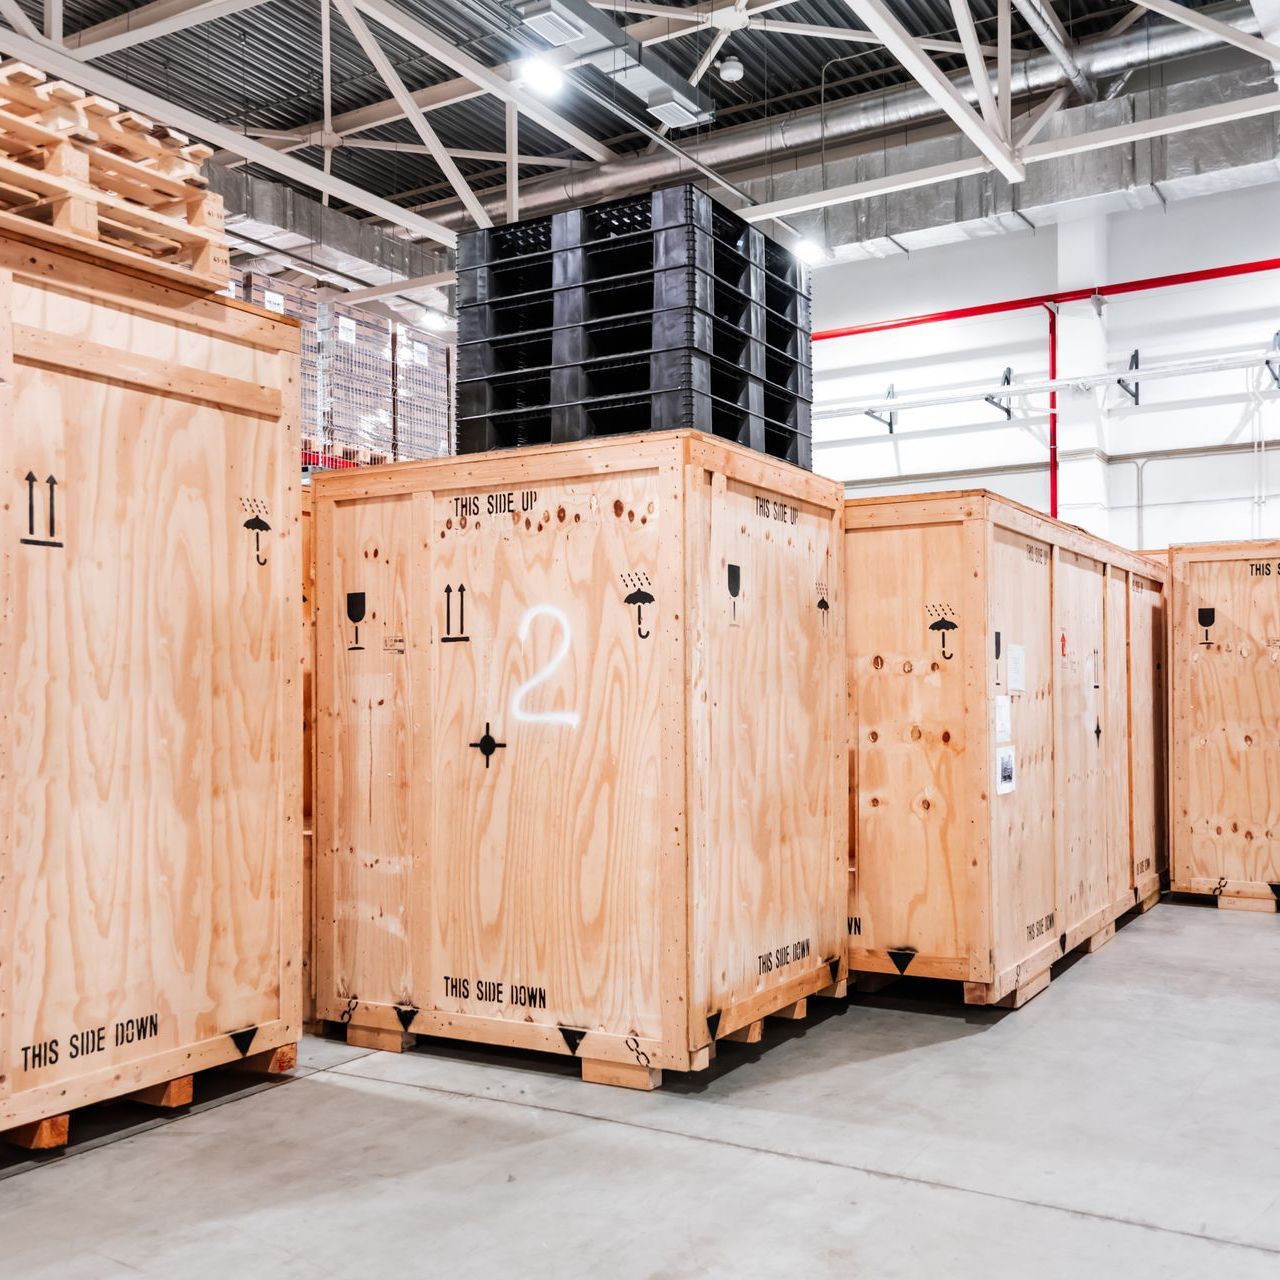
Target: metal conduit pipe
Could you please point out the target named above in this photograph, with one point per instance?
(1047, 33)
(749, 144)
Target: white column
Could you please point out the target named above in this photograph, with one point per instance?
(1082, 349)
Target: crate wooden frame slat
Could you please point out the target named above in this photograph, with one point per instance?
(954, 875)
(634, 859)
(150, 764)
(1224, 712)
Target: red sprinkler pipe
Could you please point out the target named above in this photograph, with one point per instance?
(1053, 411)
(1043, 299)
(1051, 302)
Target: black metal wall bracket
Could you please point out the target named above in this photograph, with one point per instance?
(889, 419)
(1133, 389)
(1003, 403)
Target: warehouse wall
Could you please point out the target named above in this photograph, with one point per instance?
(1232, 491)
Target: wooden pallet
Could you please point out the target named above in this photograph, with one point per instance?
(1229, 896)
(742, 1023)
(1015, 987)
(77, 172)
(53, 1132)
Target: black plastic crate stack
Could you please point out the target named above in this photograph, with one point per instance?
(651, 312)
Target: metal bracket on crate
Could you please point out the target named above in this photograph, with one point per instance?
(1132, 389)
(1003, 403)
(1272, 362)
(889, 419)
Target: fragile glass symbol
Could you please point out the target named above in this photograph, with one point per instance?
(735, 585)
(1206, 618)
(355, 615)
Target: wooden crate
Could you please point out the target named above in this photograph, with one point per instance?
(1007, 739)
(77, 173)
(1225, 779)
(149, 691)
(308, 758)
(581, 749)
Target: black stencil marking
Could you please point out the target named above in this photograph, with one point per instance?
(633, 1043)
(639, 595)
(349, 1011)
(449, 637)
(735, 586)
(243, 1039)
(997, 659)
(256, 524)
(355, 615)
(1097, 730)
(833, 968)
(1062, 943)
(943, 616)
(1275, 891)
(1206, 618)
(406, 1013)
(573, 1038)
(31, 540)
(487, 744)
(713, 1023)
(823, 603)
(902, 957)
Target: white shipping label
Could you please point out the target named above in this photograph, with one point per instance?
(228, 290)
(1017, 669)
(1006, 775)
(273, 302)
(1004, 718)
(346, 329)
(421, 353)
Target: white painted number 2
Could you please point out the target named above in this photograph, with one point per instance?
(518, 710)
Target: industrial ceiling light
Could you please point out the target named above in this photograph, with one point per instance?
(731, 70)
(810, 252)
(437, 321)
(544, 78)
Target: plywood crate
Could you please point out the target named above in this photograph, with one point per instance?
(149, 686)
(308, 754)
(1007, 739)
(581, 749)
(1225, 779)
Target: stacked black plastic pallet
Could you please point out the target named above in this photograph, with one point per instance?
(647, 313)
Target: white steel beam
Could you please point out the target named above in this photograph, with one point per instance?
(431, 139)
(60, 63)
(1054, 149)
(1004, 66)
(53, 20)
(850, 35)
(430, 42)
(18, 20)
(441, 280)
(1042, 115)
(963, 17)
(150, 22)
(1201, 21)
(458, 153)
(876, 16)
(513, 162)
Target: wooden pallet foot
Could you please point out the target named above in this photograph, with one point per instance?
(837, 991)
(792, 1012)
(270, 1062)
(1266, 905)
(396, 1041)
(752, 1033)
(1100, 939)
(41, 1135)
(1027, 991)
(172, 1093)
(1149, 901)
(623, 1075)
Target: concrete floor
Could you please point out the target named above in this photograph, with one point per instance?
(1122, 1124)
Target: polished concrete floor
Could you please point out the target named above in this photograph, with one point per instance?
(1125, 1123)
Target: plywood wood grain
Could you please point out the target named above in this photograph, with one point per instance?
(586, 770)
(149, 747)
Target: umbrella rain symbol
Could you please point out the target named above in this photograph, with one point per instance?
(638, 596)
(942, 625)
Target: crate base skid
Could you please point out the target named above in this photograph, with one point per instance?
(53, 1132)
(631, 1062)
(1232, 895)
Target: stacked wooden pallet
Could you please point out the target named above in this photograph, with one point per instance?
(78, 173)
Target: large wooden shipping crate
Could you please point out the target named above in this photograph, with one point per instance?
(308, 756)
(581, 749)
(1006, 739)
(1225, 779)
(149, 685)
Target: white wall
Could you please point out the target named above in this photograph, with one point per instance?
(970, 444)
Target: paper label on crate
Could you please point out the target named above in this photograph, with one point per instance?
(273, 302)
(228, 290)
(1006, 771)
(1004, 717)
(1017, 669)
(346, 329)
